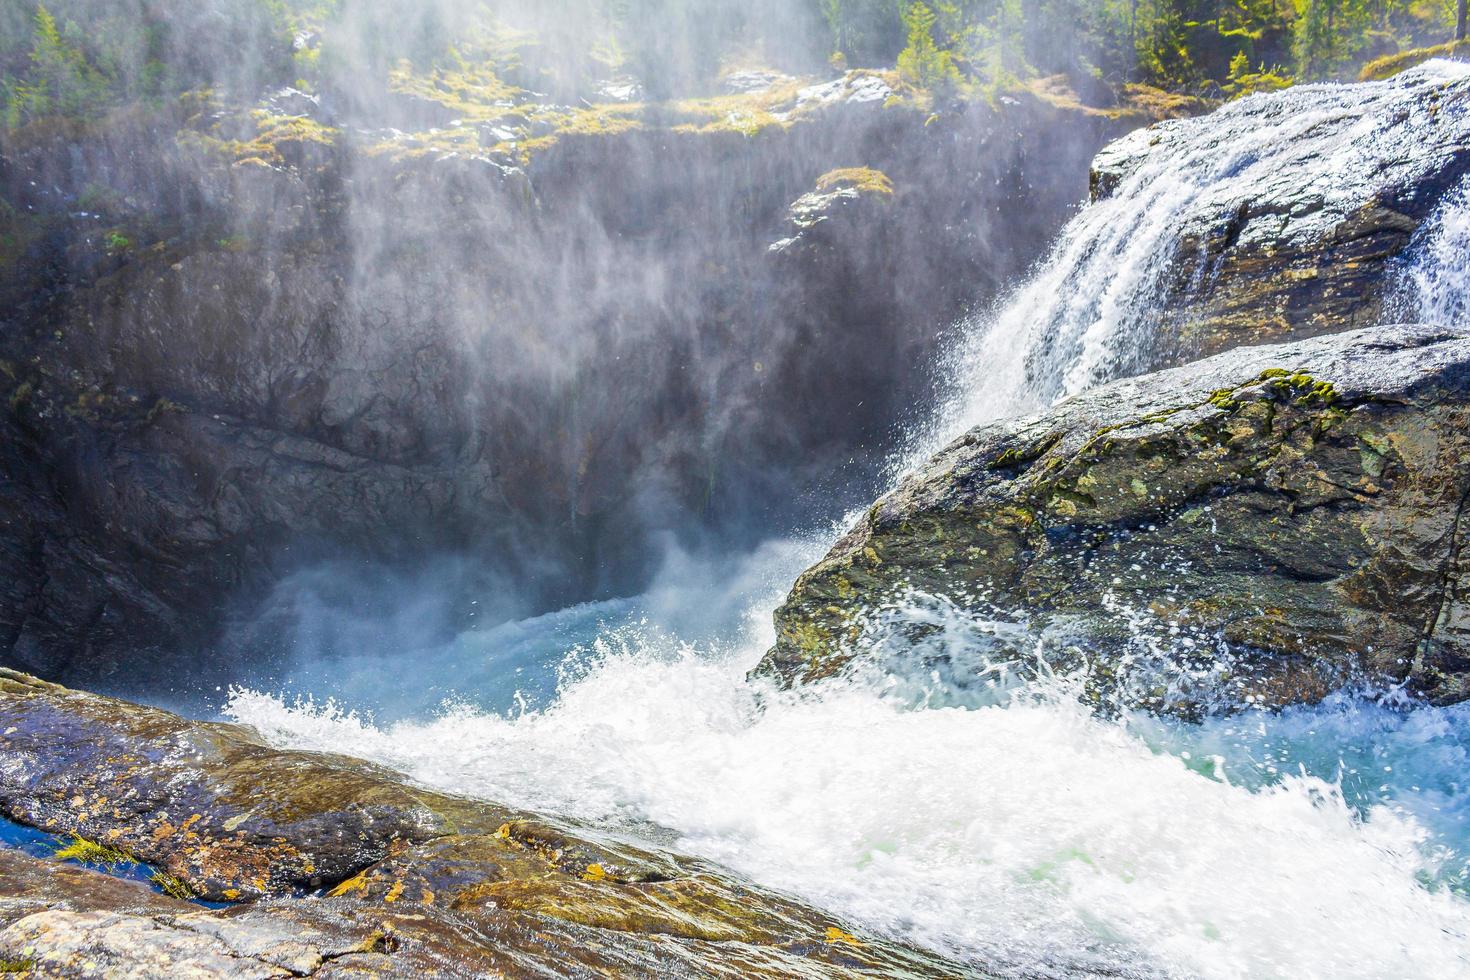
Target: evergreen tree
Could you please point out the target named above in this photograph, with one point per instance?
(923, 62)
(60, 81)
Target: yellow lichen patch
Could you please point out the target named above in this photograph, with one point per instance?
(865, 180)
(474, 92)
(394, 893)
(428, 143)
(836, 935)
(594, 872)
(596, 120)
(273, 133)
(747, 113)
(357, 883)
(1138, 102)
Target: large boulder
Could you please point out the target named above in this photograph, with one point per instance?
(329, 866)
(1264, 525)
(1281, 216)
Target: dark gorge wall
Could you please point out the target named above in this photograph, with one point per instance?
(237, 343)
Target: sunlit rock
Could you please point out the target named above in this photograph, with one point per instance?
(1319, 190)
(403, 881)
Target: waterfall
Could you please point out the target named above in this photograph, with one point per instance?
(1434, 282)
(1092, 309)
(1010, 826)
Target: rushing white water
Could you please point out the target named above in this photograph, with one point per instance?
(1010, 823)
(1021, 829)
(1435, 279)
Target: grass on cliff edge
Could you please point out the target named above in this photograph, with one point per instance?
(1387, 67)
(865, 180)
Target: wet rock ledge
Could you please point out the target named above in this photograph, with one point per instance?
(332, 867)
(1259, 527)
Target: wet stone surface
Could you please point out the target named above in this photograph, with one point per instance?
(334, 867)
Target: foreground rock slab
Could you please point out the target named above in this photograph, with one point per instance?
(1261, 526)
(339, 868)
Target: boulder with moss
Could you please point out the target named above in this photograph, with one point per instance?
(841, 204)
(1262, 526)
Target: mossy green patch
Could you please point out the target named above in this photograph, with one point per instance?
(1021, 455)
(1305, 389)
(865, 180)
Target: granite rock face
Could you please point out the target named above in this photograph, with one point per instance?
(1260, 526)
(333, 867)
(1305, 198)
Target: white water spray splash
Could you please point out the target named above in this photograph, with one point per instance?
(1024, 830)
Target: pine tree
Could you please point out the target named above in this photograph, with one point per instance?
(923, 62)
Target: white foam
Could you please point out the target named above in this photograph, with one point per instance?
(1027, 831)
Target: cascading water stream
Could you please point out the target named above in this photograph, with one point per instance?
(1434, 281)
(1008, 823)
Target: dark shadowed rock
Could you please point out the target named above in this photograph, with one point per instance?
(1290, 514)
(402, 881)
